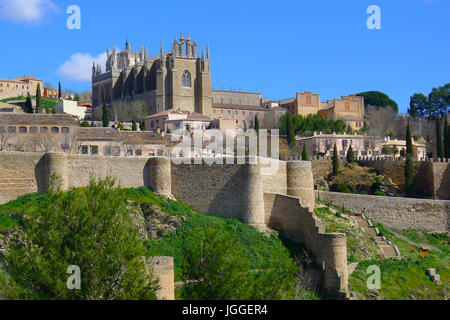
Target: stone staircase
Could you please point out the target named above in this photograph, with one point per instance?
(388, 248)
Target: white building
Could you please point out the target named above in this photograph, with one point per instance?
(72, 108)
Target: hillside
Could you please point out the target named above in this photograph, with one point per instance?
(269, 266)
(47, 103)
(401, 279)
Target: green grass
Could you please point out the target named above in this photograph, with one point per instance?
(47, 103)
(261, 251)
(403, 279)
(360, 246)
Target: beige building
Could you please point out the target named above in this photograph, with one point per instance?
(171, 120)
(363, 146)
(113, 143)
(419, 148)
(348, 108)
(178, 78)
(16, 87)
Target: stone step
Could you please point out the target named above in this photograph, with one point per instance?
(389, 251)
(382, 243)
(363, 223)
(370, 231)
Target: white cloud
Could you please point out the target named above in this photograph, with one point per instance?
(79, 67)
(28, 11)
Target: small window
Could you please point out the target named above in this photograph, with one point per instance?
(55, 130)
(129, 152)
(44, 130)
(107, 151)
(139, 153)
(186, 79)
(160, 153)
(2, 129)
(12, 129)
(94, 150)
(84, 150)
(65, 130)
(23, 130)
(33, 129)
(116, 151)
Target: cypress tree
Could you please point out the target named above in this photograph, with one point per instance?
(134, 126)
(409, 175)
(447, 138)
(105, 113)
(28, 104)
(256, 123)
(350, 155)
(38, 99)
(59, 91)
(290, 131)
(335, 160)
(304, 153)
(439, 140)
(409, 143)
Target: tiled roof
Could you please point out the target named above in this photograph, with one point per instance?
(37, 119)
(110, 134)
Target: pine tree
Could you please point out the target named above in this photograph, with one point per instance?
(409, 143)
(335, 160)
(447, 138)
(256, 124)
(304, 153)
(28, 104)
(105, 114)
(409, 175)
(39, 108)
(350, 155)
(439, 140)
(59, 91)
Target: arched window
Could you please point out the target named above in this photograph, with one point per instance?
(186, 79)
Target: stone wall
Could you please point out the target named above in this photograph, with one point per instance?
(441, 180)
(163, 268)
(431, 178)
(398, 213)
(298, 223)
(20, 175)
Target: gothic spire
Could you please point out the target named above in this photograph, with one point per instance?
(207, 51)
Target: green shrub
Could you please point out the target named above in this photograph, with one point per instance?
(343, 188)
(90, 228)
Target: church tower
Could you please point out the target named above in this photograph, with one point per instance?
(189, 78)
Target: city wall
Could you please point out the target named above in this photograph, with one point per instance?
(432, 178)
(399, 213)
(241, 191)
(298, 223)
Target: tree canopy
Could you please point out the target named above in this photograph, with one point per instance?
(378, 99)
(435, 104)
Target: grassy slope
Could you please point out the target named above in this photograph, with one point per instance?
(258, 248)
(47, 103)
(406, 278)
(360, 246)
(402, 279)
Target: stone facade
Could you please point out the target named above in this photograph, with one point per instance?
(175, 79)
(16, 87)
(348, 108)
(298, 223)
(398, 213)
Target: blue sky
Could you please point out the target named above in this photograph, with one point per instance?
(277, 48)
